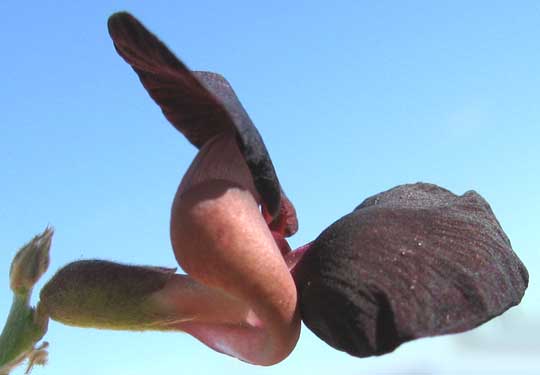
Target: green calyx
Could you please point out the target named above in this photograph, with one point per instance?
(107, 295)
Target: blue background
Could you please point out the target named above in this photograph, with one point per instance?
(351, 98)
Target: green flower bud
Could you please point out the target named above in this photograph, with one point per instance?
(25, 326)
(30, 262)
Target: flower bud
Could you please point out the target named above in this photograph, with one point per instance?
(30, 263)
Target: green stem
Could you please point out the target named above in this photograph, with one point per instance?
(22, 331)
(25, 326)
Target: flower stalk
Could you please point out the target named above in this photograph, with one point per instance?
(26, 325)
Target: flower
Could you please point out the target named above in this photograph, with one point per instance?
(410, 262)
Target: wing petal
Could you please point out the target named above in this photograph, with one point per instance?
(410, 262)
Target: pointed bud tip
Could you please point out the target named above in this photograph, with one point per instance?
(30, 262)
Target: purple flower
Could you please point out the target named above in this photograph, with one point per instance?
(410, 262)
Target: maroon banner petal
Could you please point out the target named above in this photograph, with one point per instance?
(199, 104)
(185, 102)
(411, 262)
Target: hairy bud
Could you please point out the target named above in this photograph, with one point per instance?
(30, 262)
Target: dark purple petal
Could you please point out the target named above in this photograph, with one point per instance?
(183, 99)
(410, 262)
(199, 104)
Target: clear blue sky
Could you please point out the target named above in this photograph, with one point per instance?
(351, 99)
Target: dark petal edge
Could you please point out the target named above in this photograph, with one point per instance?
(411, 262)
(249, 141)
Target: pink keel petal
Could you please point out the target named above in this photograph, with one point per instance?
(221, 239)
